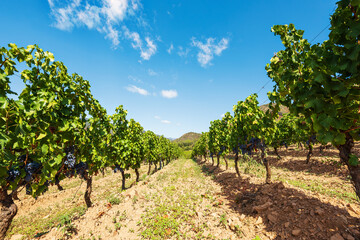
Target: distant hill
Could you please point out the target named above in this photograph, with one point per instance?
(187, 141)
(190, 136)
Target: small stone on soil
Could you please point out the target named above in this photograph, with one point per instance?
(258, 220)
(296, 232)
(337, 237)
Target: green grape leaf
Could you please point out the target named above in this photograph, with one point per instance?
(45, 149)
(353, 160)
(41, 136)
(340, 139)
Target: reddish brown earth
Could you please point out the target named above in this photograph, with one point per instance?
(314, 201)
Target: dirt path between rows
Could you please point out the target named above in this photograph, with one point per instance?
(194, 200)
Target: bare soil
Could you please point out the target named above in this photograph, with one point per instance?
(195, 200)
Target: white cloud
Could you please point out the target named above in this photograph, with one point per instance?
(222, 45)
(170, 48)
(104, 16)
(169, 93)
(135, 4)
(183, 52)
(51, 3)
(134, 37)
(138, 90)
(152, 72)
(63, 15)
(208, 49)
(132, 78)
(113, 35)
(90, 16)
(165, 121)
(115, 10)
(137, 43)
(151, 49)
(162, 120)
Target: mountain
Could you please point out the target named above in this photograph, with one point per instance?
(190, 136)
(187, 141)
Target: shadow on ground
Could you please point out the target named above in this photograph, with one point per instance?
(287, 212)
(327, 163)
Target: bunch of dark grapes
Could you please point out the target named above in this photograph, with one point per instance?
(70, 160)
(256, 143)
(81, 168)
(70, 149)
(22, 158)
(28, 189)
(13, 174)
(70, 173)
(30, 169)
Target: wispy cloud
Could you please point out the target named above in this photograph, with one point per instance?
(63, 16)
(165, 121)
(51, 3)
(151, 49)
(183, 52)
(170, 48)
(134, 79)
(169, 93)
(162, 120)
(106, 17)
(208, 49)
(145, 51)
(102, 15)
(135, 89)
(152, 72)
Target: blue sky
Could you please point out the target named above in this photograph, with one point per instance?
(174, 65)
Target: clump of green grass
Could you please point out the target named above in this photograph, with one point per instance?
(223, 220)
(173, 211)
(66, 225)
(333, 191)
(38, 223)
(252, 167)
(114, 200)
(123, 216)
